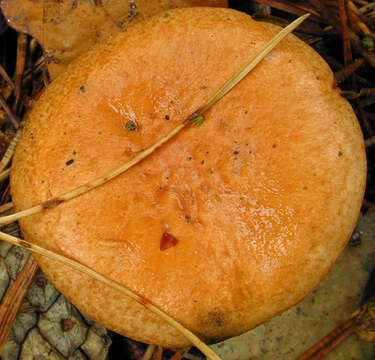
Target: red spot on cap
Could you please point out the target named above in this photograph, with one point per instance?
(167, 240)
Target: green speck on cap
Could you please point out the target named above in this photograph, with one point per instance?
(197, 121)
(131, 126)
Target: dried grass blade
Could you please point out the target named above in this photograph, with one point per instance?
(93, 274)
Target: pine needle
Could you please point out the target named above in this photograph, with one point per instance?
(196, 119)
(114, 285)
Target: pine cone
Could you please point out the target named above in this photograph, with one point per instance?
(47, 327)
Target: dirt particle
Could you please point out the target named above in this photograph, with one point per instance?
(41, 282)
(18, 255)
(69, 162)
(67, 324)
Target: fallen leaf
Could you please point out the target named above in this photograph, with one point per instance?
(67, 28)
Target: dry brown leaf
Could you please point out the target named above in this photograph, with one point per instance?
(67, 28)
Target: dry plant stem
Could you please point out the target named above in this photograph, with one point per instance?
(10, 150)
(235, 79)
(94, 275)
(14, 297)
(149, 352)
(4, 175)
(13, 118)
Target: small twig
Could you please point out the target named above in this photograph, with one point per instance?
(14, 297)
(10, 150)
(93, 274)
(195, 118)
(149, 352)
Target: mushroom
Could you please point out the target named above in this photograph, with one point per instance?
(225, 226)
